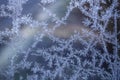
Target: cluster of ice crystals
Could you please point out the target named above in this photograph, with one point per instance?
(36, 44)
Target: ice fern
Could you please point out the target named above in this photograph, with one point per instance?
(59, 40)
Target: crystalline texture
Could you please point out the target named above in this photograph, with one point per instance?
(60, 40)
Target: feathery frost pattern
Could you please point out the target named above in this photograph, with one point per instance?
(59, 40)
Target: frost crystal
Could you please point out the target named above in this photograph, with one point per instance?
(59, 40)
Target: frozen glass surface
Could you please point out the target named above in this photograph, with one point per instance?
(59, 40)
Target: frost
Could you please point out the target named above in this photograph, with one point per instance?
(60, 40)
(47, 1)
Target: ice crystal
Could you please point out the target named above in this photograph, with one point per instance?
(59, 40)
